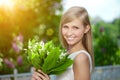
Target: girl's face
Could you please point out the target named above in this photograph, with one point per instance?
(73, 32)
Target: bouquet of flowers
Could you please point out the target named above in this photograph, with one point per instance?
(47, 57)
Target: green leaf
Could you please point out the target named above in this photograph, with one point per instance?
(47, 57)
(62, 67)
(51, 59)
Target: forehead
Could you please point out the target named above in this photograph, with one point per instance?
(76, 22)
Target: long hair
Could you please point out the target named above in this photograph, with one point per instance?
(81, 14)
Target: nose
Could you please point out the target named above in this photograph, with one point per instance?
(69, 32)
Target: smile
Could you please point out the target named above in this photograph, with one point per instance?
(70, 39)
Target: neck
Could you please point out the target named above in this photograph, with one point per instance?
(76, 47)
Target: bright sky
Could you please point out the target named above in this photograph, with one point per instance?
(106, 9)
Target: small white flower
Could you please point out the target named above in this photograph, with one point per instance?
(48, 52)
(42, 44)
(62, 55)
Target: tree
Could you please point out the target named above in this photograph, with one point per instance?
(27, 19)
(105, 44)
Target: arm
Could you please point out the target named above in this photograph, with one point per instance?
(81, 67)
(39, 75)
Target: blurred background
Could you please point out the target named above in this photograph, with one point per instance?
(21, 20)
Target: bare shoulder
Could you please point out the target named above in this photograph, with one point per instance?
(80, 58)
(81, 67)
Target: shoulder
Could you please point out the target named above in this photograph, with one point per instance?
(80, 58)
(81, 67)
(81, 61)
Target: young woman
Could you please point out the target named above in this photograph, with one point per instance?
(75, 35)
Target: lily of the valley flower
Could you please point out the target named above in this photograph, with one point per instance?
(47, 57)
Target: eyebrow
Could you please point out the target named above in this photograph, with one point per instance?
(72, 25)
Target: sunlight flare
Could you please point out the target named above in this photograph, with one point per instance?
(7, 4)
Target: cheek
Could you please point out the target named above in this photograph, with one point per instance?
(79, 33)
(63, 31)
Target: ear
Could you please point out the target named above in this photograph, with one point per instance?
(87, 29)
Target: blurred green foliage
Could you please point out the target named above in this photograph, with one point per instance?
(27, 19)
(106, 49)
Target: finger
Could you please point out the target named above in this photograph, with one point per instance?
(41, 72)
(47, 77)
(36, 76)
(41, 76)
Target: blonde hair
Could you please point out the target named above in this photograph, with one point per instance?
(82, 14)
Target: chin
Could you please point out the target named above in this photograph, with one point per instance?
(71, 43)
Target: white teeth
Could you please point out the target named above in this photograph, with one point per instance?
(70, 38)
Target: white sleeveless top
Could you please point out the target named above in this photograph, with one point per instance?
(68, 74)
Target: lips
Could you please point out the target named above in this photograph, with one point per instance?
(70, 38)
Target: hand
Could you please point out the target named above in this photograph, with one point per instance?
(39, 75)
